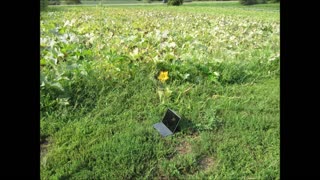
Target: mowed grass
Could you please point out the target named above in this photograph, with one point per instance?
(100, 96)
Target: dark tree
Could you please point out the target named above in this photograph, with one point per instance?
(250, 2)
(73, 1)
(43, 4)
(175, 2)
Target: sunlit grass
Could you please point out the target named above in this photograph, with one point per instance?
(101, 83)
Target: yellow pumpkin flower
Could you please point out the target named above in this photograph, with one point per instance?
(163, 76)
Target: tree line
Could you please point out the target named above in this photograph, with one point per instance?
(250, 2)
(44, 3)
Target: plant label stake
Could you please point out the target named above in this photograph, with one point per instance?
(169, 123)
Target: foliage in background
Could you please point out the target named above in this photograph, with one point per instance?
(43, 5)
(73, 1)
(212, 0)
(175, 2)
(248, 2)
(251, 2)
(54, 2)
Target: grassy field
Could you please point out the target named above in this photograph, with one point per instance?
(100, 92)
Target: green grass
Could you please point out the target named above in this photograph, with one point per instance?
(100, 95)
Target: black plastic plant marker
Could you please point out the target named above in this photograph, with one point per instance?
(169, 123)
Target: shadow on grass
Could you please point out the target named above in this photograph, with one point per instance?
(186, 126)
(189, 128)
